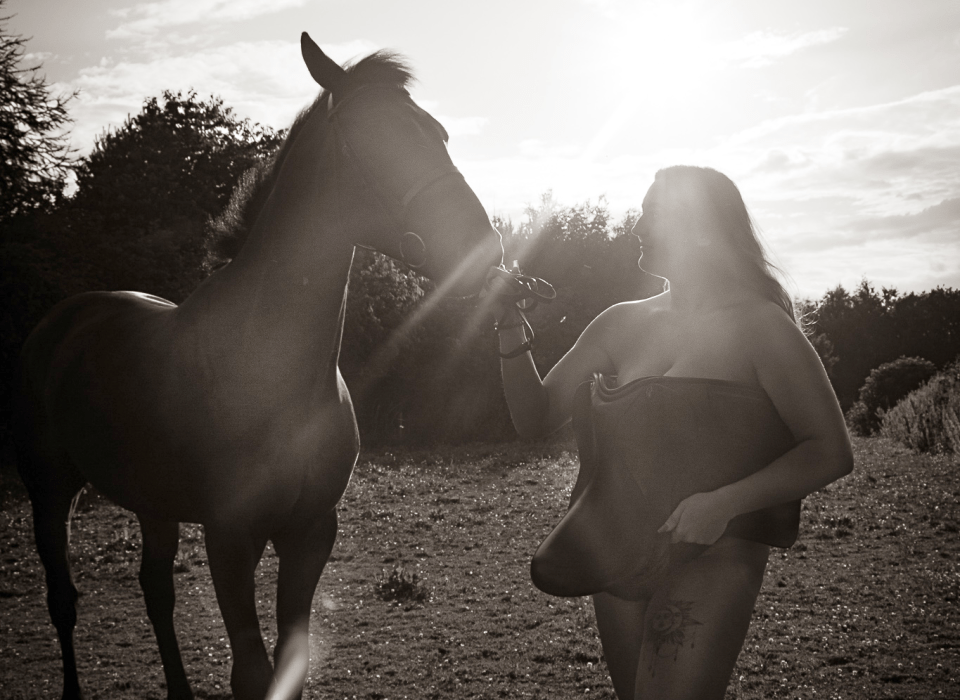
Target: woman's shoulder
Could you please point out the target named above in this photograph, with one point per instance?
(637, 310)
(767, 316)
(619, 321)
(768, 331)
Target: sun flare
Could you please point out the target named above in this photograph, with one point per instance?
(657, 58)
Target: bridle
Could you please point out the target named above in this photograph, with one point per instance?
(523, 290)
(394, 207)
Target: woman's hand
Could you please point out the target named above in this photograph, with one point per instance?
(498, 300)
(699, 519)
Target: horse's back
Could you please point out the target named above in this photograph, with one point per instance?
(67, 329)
(70, 326)
(165, 427)
(62, 367)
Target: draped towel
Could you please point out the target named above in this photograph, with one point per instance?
(644, 447)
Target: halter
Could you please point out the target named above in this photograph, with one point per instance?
(525, 291)
(394, 207)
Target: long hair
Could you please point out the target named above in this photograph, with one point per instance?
(713, 197)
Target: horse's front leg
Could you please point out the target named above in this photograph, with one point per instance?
(160, 541)
(303, 552)
(234, 555)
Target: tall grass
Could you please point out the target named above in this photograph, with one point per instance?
(928, 419)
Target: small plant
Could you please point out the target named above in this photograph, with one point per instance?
(181, 564)
(928, 419)
(401, 586)
(885, 386)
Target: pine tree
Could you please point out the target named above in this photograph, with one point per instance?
(36, 155)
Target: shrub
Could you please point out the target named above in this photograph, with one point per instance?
(928, 419)
(401, 587)
(885, 386)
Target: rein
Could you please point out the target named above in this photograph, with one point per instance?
(526, 292)
(394, 208)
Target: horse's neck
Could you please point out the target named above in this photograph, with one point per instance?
(281, 299)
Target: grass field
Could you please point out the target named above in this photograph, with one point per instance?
(863, 607)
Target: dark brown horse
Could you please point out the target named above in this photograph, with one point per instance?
(229, 410)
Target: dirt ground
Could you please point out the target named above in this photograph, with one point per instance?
(863, 607)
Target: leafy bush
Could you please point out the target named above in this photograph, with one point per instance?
(885, 386)
(928, 419)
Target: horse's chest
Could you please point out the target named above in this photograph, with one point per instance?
(305, 458)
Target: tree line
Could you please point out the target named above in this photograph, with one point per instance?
(143, 216)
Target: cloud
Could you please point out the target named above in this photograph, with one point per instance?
(870, 191)
(907, 266)
(890, 159)
(462, 126)
(263, 80)
(455, 126)
(147, 18)
(761, 48)
(38, 56)
(941, 221)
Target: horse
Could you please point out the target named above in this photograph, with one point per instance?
(229, 410)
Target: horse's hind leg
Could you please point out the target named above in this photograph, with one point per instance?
(303, 550)
(160, 540)
(52, 487)
(233, 555)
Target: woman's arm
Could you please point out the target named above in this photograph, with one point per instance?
(537, 407)
(791, 373)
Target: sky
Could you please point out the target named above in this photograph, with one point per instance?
(838, 119)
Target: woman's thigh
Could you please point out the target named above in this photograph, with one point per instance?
(620, 624)
(695, 624)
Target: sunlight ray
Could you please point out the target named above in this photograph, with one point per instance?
(379, 362)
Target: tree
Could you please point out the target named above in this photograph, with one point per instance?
(145, 195)
(149, 188)
(858, 327)
(859, 331)
(180, 156)
(35, 153)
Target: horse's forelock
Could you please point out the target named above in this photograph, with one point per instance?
(383, 66)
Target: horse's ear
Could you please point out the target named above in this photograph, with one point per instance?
(323, 68)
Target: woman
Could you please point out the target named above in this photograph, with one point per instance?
(724, 322)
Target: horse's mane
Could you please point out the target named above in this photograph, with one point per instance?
(229, 231)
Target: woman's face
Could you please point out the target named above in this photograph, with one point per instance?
(673, 237)
(657, 234)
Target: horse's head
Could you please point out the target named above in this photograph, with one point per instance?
(396, 185)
